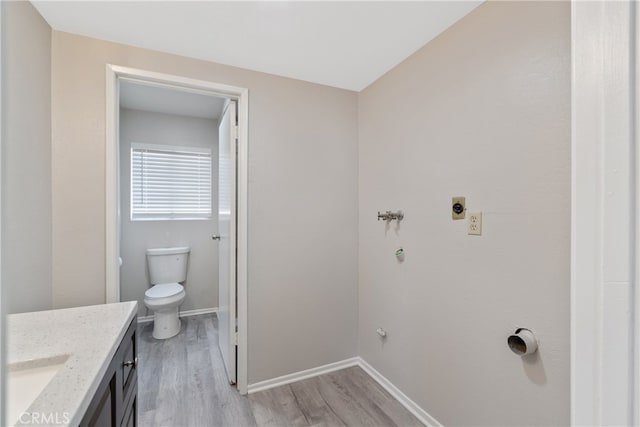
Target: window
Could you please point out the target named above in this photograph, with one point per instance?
(170, 182)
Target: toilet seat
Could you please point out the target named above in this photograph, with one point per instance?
(164, 290)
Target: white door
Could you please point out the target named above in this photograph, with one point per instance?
(227, 230)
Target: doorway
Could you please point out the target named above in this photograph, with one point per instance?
(233, 342)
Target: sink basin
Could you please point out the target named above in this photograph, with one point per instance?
(26, 380)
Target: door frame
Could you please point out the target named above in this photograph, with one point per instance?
(3, 298)
(115, 73)
(605, 217)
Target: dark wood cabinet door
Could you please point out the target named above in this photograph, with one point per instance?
(131, 418)
(114, 404)
(102, 410)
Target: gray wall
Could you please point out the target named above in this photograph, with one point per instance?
(302, 200)
(483, 111)
(202, 277)
(26, 159)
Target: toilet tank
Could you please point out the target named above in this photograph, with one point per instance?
(167, 265)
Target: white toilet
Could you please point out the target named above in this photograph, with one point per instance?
(167, 268)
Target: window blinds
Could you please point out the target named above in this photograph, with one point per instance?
(170, 182)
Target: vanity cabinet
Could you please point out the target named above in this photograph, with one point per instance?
(115, 401)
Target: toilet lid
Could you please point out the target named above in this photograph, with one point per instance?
(164, 290)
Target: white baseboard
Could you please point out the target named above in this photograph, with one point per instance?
(394, 391)
(302, 375)
(145, 319)
(187, 313)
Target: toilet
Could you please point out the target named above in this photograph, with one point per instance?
(167, 269)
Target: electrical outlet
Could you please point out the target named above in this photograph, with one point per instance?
(474, 223)
(457, 208)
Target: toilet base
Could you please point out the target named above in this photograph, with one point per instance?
(166, 324)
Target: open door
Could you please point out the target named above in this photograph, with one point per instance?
(227, 135)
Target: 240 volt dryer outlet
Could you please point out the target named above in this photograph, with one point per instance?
(457, 208)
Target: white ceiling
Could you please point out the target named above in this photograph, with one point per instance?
(140, 96)
(346, 44)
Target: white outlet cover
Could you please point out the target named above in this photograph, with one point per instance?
(474, 223)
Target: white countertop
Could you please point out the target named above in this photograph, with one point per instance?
(88, 335)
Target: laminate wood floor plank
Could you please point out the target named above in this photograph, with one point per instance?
(372, 399)
(148, 367)
(344, 404)
(146, 418)
(201, 395)
(288, 405)
(170, 410)
(362, 384)
(267, 411)
(182, 382)
(313, 404)
(235, 409)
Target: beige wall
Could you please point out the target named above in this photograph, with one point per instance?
(26, 159)
(483, 111)
(302, 200)
(136, 236)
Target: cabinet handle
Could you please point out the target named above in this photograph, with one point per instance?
(133, 362)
